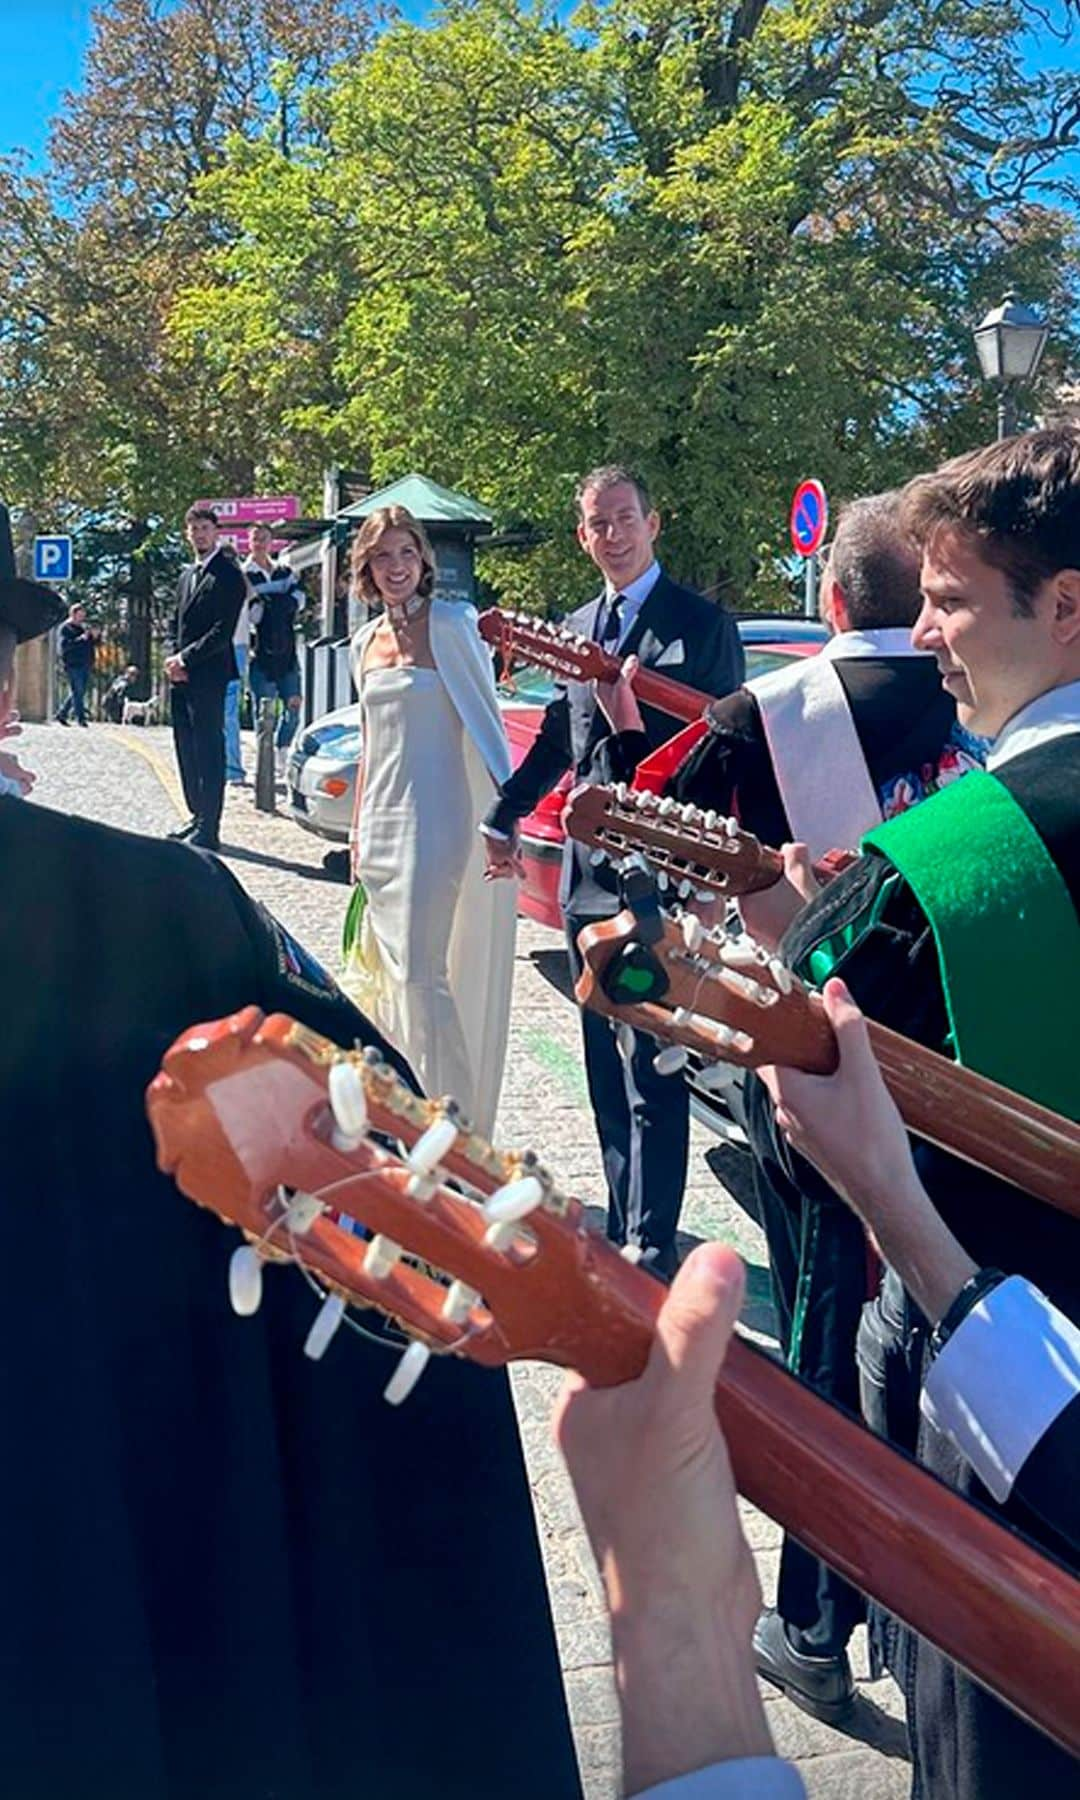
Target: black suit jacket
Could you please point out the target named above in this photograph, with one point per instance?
(208, 602)
(575, 734)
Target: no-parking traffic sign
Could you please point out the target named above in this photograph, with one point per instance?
(809, 518)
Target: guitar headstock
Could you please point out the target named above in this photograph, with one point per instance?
(689, 851)
(724, 997)
(519, 637)
(290, 1138)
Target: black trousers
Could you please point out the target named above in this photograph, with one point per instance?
(643, 1123)
(817, 1263)
(198, 718)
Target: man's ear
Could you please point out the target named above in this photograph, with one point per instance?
(1067, 607)
(833, 605)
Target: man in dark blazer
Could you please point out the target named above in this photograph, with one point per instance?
(200, 667)
(642, 1118)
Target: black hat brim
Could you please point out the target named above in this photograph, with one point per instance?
(29, 608)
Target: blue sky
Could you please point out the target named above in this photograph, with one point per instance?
(41, 49)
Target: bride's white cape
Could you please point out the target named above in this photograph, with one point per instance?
(481, 961)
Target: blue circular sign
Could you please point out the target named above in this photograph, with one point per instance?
(809, 518)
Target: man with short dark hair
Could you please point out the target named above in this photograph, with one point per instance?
(76, 645)
(200, 666)
(958, 926)
(642, 1117)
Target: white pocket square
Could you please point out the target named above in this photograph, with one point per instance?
(671, 654)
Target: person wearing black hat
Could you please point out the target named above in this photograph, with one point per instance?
(230, 1570)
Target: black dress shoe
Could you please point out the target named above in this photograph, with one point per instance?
(820, 1685)
(186, 830)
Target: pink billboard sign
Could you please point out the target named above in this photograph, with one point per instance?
(238, 514)
(254, 509)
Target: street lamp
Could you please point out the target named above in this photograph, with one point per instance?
(1010, 342)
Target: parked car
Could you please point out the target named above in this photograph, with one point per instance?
(323, 762)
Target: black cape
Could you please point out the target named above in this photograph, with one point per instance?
(228, 1571)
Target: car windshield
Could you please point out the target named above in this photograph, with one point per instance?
(761, 662)
(527, 686)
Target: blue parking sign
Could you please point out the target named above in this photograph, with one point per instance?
(52, 559)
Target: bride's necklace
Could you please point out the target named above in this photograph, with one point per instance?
(400, 615)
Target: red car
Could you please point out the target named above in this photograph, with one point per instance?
(769, 643)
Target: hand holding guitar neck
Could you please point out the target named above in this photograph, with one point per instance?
(691, 852)
(521, 638)
(731, 1001)
(273, 1127)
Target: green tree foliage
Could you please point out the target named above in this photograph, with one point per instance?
(97, 410)
(735, 243)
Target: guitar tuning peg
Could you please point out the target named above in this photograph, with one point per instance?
(685, 889)
(327, 1320)
(682, 1016)
(410, 1367)
(688, 813)
(420, 1188)
(662, 881)
(381, 1256)
(731, 828)
(693, 932)
(301, 1211)
(245, 1280)
(671, 1059)
(666, 806)
(459, 1302)
(631, 1253)
(597, 857)
(781, 974)
(714, 1078)
(501, 1235)
(429, 1149)
(709, 820)
(516, 1200)
(622, 792)
(348, 1103)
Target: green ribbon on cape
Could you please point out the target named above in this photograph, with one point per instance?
(1007, 934)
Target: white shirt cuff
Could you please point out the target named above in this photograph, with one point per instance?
(1002, 1379)
(747, 1778)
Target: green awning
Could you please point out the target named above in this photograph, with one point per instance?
(428, 502)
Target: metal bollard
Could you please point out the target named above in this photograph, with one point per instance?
(265, 777)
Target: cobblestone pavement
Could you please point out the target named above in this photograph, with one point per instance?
(126, 778)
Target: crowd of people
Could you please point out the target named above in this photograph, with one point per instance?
(233, 1572)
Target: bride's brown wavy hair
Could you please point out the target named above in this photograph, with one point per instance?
(374, 528)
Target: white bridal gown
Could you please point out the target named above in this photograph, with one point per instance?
(436, 950)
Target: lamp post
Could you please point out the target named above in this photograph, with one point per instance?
(1010, 341)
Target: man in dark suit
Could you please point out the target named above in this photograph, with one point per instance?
(642, 1118)
(200, 667)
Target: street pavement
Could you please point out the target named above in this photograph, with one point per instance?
(126, 777)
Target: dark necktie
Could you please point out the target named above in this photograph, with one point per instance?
(609, 636)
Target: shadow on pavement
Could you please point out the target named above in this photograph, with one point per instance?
(554, 966)
(871, 1725)
(237, 853)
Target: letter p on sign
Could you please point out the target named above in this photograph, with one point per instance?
(52, 559)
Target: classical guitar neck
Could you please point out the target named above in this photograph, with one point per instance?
(981, 1121)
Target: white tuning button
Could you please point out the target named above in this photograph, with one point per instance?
(682, 1016)
(667, 805)
(693, 932)
(327, 1320)
(245, 1281)
(671, 1059)
(709, 819)
(621, 792)
(631, 1253)
(597, 857)
(662, 881)
(500, 1236)
(380, 1257)
(413, 1362)
(514, 1201)
(418, 1187)
(685, 890)
(348, 1102)
(301, 1212)
(428, 1151)
(459, 1302)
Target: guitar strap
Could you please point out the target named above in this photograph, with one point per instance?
(1006, 932)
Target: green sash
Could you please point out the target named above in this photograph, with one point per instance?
(1007, 935)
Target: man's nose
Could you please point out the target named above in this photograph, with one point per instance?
(925, 633)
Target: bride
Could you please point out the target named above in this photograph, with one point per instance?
(429, 943)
